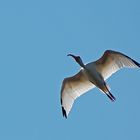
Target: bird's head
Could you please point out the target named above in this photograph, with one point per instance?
(77, 59)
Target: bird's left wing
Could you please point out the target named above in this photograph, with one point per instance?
(72, 88)
(112, 61)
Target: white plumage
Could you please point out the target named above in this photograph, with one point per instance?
(93, 75)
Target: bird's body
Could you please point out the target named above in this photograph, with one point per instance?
(93, 75)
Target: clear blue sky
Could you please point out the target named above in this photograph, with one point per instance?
(35, 37)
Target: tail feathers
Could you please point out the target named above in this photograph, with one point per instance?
(108, 93)
(110, 96)
(108, 87)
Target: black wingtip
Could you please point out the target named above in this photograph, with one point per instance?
(135, 62)
(64, 112)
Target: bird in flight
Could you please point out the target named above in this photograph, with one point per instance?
(92, 75)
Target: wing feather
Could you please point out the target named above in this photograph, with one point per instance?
(112, 61)
(72, 88)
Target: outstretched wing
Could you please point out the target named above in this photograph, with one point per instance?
(112, 61)
(72, 88)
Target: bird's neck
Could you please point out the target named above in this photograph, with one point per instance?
(83, 66)
(81, 63)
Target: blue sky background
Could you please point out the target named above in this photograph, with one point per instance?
(35, 37)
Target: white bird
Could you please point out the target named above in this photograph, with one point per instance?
(93, 75)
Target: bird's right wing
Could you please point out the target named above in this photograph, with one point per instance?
(72, 88)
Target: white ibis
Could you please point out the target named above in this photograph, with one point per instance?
(93, 75)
